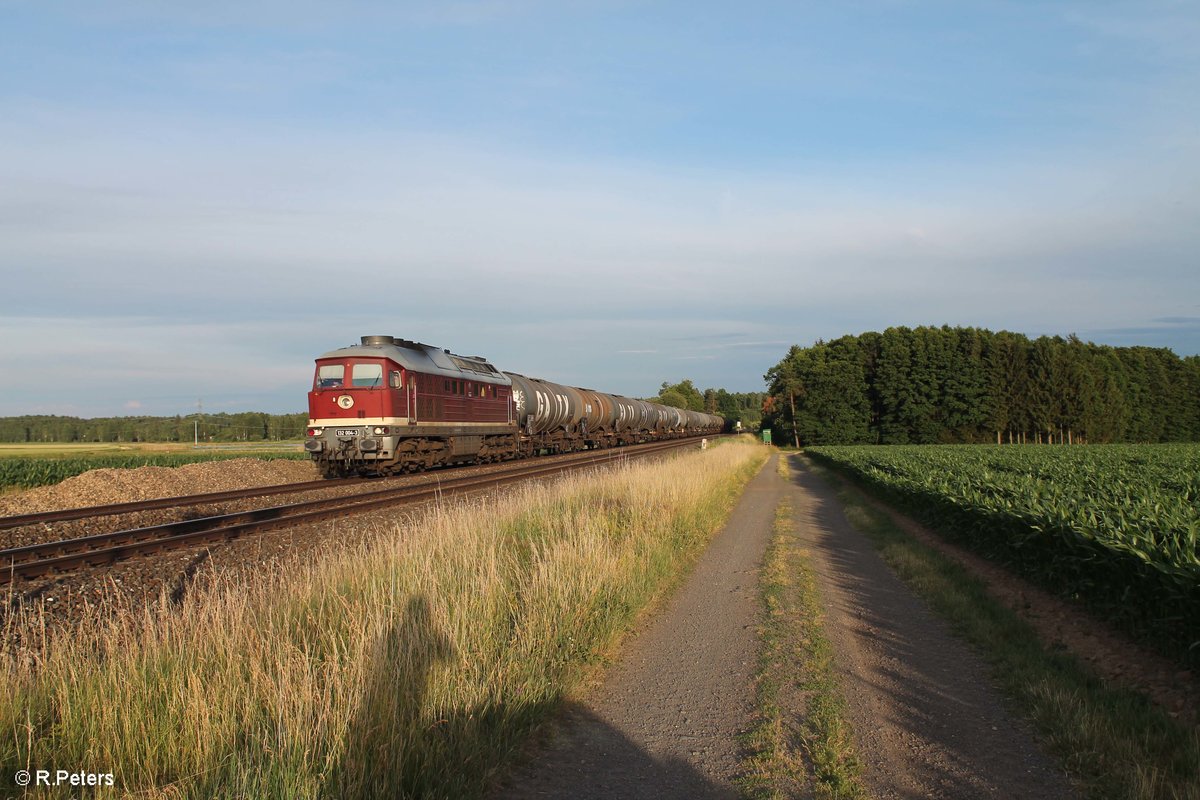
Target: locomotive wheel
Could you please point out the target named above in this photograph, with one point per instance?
(330, 471)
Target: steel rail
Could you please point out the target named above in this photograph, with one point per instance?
(88, 512)
(32, 561)
(182, 501)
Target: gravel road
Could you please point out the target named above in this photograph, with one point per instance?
(664, 721)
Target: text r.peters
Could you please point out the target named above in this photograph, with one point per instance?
(62, 777)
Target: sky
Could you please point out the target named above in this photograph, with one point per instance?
(198, 199)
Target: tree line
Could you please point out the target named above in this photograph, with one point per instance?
(249, 426)
(745, 407)
(252, 426)
(928, 385)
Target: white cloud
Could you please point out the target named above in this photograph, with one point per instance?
(145, 254)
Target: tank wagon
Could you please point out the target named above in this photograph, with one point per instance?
(390, 405)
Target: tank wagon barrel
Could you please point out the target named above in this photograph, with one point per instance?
(391, 405)
(600, 411)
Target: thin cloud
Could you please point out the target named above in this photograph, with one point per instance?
(176, 235)
(752, 345)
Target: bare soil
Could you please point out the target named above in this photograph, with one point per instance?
(104, 486)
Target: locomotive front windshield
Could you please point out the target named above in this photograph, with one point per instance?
(362, 376)
(366, 376)
(330, 376)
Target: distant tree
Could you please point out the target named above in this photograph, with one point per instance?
(670, 397)
(219, 427)
(964, 387)
(692, 397)
(968, 384)
(786, 382)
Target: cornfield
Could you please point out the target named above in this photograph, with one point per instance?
(26, 473)
(1115, 526)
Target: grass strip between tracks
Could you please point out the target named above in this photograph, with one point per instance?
(411, 667)
(803, 743)
(1113, 742)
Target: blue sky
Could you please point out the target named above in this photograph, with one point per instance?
(196, 200)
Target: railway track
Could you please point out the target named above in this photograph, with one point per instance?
(39, 560)
(91, 512)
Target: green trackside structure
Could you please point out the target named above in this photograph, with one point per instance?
(766, 434)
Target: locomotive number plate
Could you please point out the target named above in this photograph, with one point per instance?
(347, 432)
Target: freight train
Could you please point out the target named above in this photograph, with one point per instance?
(388, 406)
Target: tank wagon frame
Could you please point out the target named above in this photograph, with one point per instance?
(388, 406)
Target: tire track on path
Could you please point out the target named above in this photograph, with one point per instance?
(928, 722)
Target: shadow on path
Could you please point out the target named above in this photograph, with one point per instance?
(394, 750)
(589, 759)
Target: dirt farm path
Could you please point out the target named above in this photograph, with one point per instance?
(664, 721)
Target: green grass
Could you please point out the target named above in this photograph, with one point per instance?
(803, 737)
(1113, 742)
(412, 667)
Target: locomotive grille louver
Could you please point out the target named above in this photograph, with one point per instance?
(376, 341)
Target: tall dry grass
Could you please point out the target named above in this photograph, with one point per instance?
(412, 666)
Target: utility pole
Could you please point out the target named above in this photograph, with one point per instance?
(196, 422)
(795, 429)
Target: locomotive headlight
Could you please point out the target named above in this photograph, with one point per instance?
(380, 431)
(314, 431)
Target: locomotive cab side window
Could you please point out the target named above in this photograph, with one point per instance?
(367, 375)
(330, 376)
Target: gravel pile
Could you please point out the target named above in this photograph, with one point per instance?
(62, 601)
(104, 486)
(67, 599)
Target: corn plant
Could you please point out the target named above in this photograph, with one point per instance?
(1114, 526)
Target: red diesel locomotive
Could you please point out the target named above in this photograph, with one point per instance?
(390, 405)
